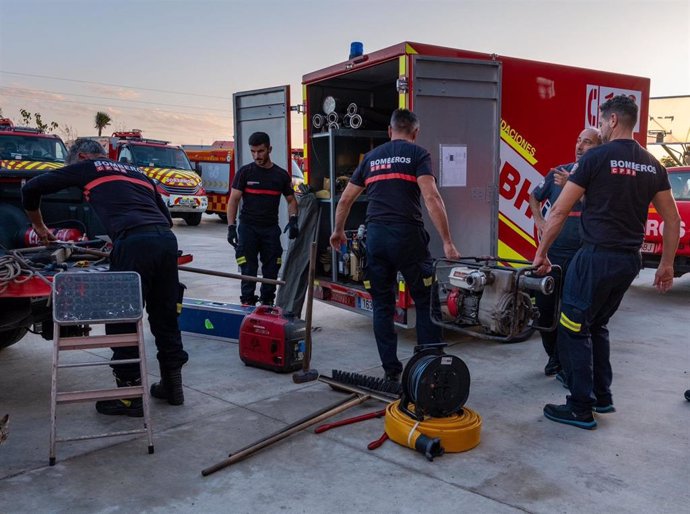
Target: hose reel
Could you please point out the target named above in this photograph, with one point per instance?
(437, 384)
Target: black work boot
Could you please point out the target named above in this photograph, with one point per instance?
(132, 407)
(170, 387)
(552, 367)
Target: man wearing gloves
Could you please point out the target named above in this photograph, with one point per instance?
(260, 185)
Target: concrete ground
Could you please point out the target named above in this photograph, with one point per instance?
(638, 459)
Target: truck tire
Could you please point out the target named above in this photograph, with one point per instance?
(223, 217)
(9, 337)
(192, 218)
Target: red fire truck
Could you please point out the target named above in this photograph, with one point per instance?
(494, 126)
(217, 169)
(27, 270)
(169, 168)
(652, 246)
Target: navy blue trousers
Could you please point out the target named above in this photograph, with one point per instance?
(546, 305)
(392, 248)
(256, 243)
(151, 251)
(595, 284)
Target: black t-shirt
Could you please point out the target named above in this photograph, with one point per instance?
(389, 174)
(261, 189)
(620, 179)
(122, 196)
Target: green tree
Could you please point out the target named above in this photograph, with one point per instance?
(102, 120)
(667, 161)
(38, 121)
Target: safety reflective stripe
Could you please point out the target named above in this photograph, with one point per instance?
(570, 324)
(574, 214)
(241, 260)
(401, 286)
(390, 176)
(262, 192)
(280, 260)
(116, 178)
(428, 281)
(367, 284)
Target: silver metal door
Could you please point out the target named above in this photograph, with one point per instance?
(264, 110)
(458, 104)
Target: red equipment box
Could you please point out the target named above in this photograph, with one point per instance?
(272, 339)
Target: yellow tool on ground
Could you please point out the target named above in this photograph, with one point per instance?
(456, 433)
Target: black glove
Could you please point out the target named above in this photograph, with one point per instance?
(232, 235)
(292, 227)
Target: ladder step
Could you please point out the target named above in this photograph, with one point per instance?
(106, 341)
(100, 394)
(97, 436)
(99, 363)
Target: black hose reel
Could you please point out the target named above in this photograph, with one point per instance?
(437, 384)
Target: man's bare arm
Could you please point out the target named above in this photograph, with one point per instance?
(233, 204)
(666, 206)
(437, 213)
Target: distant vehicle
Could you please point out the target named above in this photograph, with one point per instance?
(217, 169)
(167, 165)
(652, 246)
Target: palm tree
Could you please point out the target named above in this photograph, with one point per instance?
(102, 120)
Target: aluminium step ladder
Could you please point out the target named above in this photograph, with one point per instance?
(82, 298)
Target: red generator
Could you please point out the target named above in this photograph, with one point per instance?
(272, 339)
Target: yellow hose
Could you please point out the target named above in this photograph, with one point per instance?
(458, 433)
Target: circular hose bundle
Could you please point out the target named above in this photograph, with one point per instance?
(456, 433)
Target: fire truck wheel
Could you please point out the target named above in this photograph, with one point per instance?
(223, 217)
(9, 337)
(192, 219)
(522, 336)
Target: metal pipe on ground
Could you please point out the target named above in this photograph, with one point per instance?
(250, 450)
(231, 275)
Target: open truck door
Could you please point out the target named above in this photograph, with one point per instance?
(264, 110)
(458, 101)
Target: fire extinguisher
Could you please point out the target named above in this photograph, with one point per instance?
(62, 234)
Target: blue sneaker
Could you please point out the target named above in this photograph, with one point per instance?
(565, 414)
(603, 408)
(560, 376)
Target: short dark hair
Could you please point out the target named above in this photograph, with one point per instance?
(83, 145)
(259, 138)
(624, 107)
(403, 120)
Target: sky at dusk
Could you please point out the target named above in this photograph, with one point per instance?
(170, 67)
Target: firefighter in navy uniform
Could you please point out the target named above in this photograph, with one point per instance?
(138, 223)
(619, 180)
(260, 186)
(395, 175)
(568, 241)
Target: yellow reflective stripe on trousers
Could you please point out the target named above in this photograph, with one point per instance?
(428, 281)
(367, 284)
(570, 324)
(241, 260)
